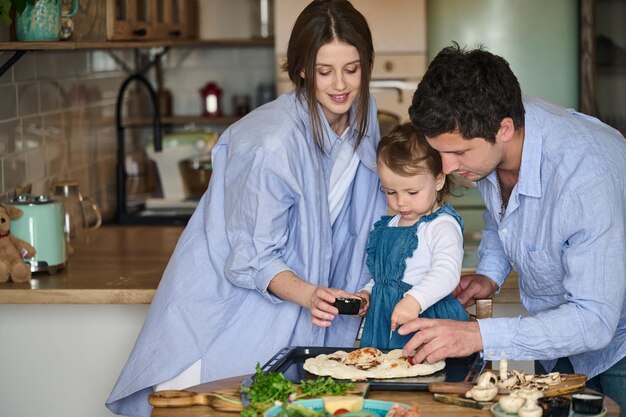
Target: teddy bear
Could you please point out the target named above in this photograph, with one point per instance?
(12, 249)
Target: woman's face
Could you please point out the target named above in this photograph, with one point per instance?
(337, 78)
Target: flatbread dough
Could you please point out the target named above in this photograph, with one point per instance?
(368, 363)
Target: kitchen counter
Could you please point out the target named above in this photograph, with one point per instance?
(124, 264)
(424, 399)
(120, 265)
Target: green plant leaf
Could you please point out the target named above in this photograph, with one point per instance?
(20, 5)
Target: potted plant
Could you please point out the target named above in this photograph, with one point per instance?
(7, 5)
(36, 20)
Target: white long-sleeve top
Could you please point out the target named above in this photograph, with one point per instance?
(434, 269)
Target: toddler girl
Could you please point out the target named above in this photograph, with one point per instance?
(415, 256)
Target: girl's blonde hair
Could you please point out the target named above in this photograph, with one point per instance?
(406, 152)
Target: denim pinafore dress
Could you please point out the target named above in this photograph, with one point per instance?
(387, 251)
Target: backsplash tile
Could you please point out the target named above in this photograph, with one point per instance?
(57, 113)
(8, 103)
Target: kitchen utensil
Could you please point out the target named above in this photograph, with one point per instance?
(347, 305)
(80, 214)
(569, 383)
(587, 403)
(226, 400)
(178, 147)
(463, 402)
(289, 361)
(196, 173)
(41, 225)
(554, 406)
(450, 387)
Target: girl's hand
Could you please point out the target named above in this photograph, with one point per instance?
(365, 302)
(407, 309)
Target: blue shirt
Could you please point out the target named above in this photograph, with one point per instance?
(564, 233)
(265, 211)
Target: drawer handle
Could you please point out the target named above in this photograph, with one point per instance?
(139, 32)
(388, 66)
(175, 33)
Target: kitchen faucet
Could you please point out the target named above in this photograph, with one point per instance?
(121, 214)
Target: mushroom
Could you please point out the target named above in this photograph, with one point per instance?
(530, 409)
(504, 367)
(511, 403)
(486, 387)
(532, 394)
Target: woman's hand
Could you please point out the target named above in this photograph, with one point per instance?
(407, 309)
(365, 302)
(319, 300)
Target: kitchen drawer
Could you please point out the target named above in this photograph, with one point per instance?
(399, 66)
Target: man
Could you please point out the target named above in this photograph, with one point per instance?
(554, 183)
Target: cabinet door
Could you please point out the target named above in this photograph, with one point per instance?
(169, 18)
(131, 19)
(384, 18)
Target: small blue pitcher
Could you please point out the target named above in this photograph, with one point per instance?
(41, 21)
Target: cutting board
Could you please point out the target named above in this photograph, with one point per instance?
(226, 400)
(454, 392)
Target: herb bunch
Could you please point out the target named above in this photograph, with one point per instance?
(268, 388)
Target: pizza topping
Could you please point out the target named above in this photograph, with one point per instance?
(364, 358)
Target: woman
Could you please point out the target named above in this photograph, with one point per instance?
(280, 232)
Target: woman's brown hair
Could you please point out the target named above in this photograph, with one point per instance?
(322, 22)
(406, 152)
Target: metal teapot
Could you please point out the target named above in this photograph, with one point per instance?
(81, 213)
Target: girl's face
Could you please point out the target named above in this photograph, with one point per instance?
(413, 196)
(337, 78)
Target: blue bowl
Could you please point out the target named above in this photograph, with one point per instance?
(372, 407)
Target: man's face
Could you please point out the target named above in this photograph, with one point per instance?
(473, 159)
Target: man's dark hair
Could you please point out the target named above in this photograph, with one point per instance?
(467, 92)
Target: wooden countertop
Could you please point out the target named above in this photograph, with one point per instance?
(123, 265)
(427, 404)
(120, 265)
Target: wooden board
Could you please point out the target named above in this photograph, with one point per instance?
(225, 400)
(454, 393)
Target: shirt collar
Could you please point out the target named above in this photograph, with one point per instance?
(529, 182)
(367, 149)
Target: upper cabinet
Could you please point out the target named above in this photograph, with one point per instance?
(398, 32)
(397, 27)
(100, 20)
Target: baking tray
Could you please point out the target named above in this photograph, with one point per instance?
(289, 361)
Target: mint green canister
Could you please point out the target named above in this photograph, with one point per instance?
(41, 225)
(41, 20)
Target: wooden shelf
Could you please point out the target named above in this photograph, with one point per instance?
(68, 45)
